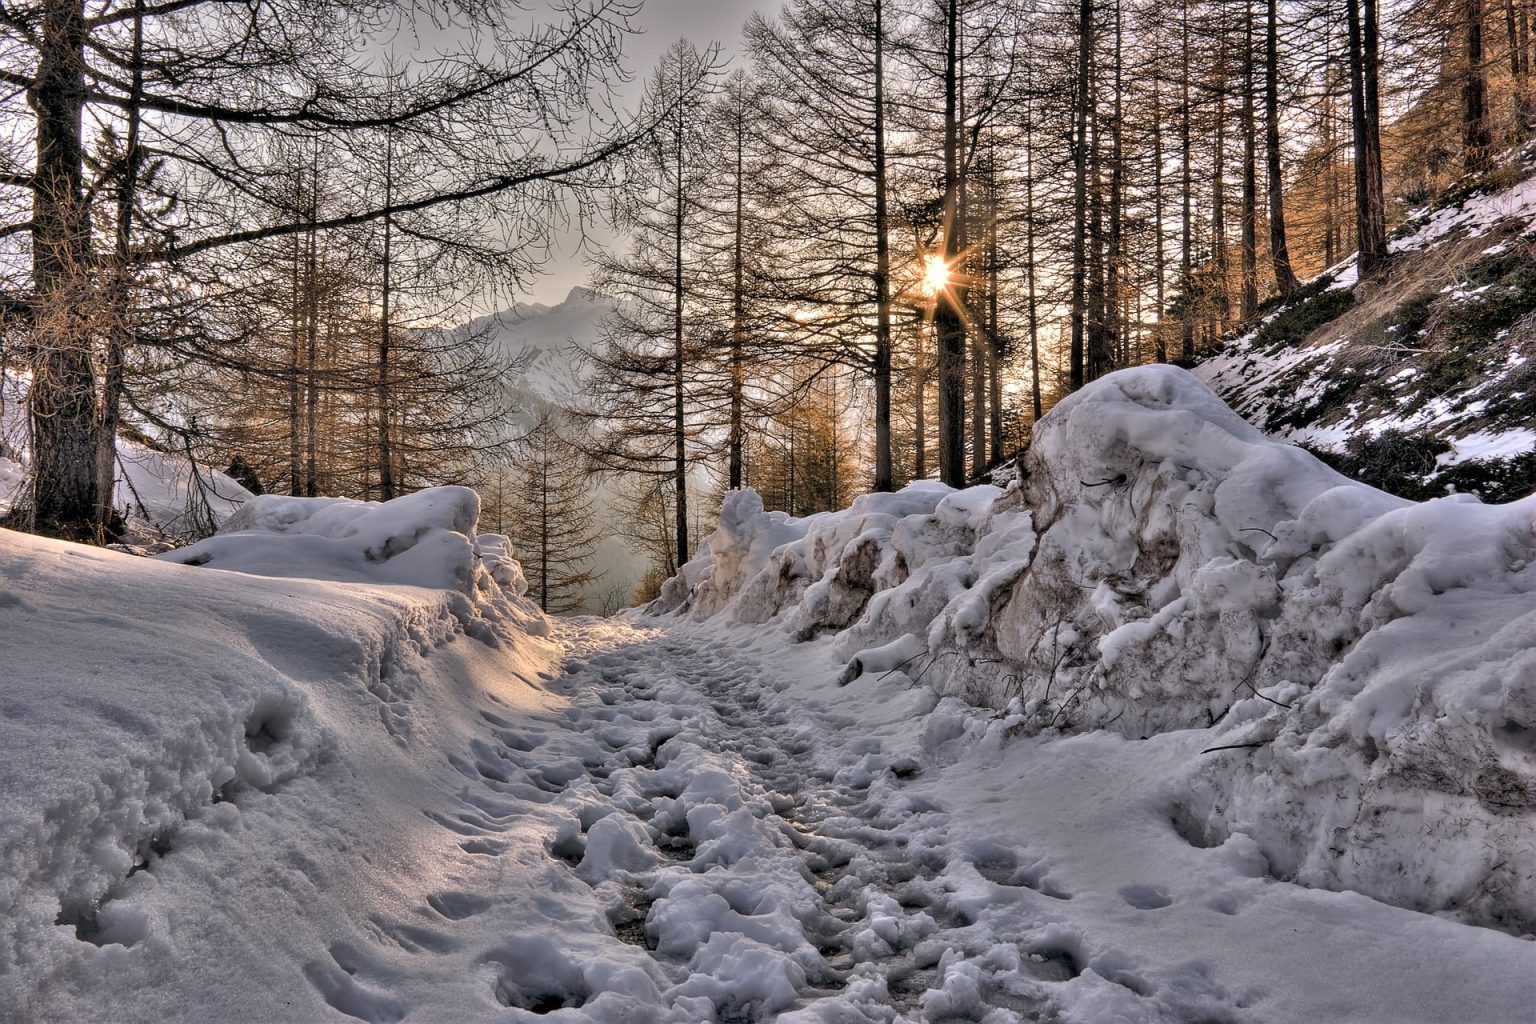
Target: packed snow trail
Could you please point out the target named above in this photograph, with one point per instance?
(765, 854)
(766, 846)
(287, 800)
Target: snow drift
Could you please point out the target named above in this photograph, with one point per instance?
(426, 539)
(1366, 665)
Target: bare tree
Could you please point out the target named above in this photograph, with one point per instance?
(207, 86)
(553, 526)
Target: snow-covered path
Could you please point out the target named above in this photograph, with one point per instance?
(289, 800)
(723, 834)
(329, 765)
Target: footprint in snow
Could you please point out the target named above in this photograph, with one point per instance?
(456, 906)
(1145, 897)
(335, 977)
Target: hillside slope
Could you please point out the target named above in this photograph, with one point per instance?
(1422, 381)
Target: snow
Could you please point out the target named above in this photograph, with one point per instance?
(160, 494)
(1474, 216)
(1166, 566)
(425, 539)
(172, 495)
(216, 784)
(1491, 445)
(340, 770)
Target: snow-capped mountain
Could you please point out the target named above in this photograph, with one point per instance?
(545, 343)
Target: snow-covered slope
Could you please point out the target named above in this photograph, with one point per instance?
(545, 343)
(217, 785)
(1367, 666)
(1439, 353)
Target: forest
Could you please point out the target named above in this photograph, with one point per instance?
(874, 243)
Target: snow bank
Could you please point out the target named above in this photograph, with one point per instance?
(426, 539)
(1162, 565)
(216, 783)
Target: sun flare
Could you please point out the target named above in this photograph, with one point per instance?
(935, 273)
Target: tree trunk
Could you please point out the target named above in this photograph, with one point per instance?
(736, 440)
(1114, 324)
(1159, 245)
(120, 319)
(295, 362)
(1477, 140)
(1370, 208)
(65, 472)
(1097, 355)
(966, 262)
(1186, 255)
(1513, 21)
(884, 471)
(679, 422)
(1219, 195)
(1250, 212)
(1371, 65)
(1080, 194)
(386, 455)
(1032, 304)
(994, 332)
(949, 322)
(1279, 252)
(311, 359)
(1332, 242)
(920, 420)
(544, 532)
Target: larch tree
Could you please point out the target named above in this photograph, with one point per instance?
(552, 522)
(825, 69)
(207, 86)
(651, 367)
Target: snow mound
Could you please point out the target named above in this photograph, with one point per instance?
(1162, 565)
(426, 539)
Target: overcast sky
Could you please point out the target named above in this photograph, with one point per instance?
(663, 22)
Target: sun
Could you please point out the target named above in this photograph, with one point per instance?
(935, 273)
